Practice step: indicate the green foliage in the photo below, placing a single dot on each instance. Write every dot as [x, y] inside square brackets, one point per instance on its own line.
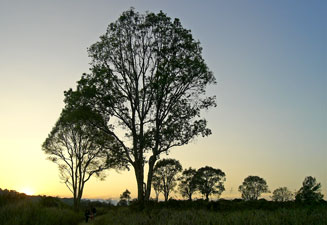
[252, 187]
[148, 82]
[310, 191]
[165, 172]
[28, 212]
[187, 183]
[282, 194]
[210, 181]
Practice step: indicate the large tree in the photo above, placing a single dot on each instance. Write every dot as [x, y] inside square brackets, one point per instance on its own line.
[148, 81]
[165, 172]
[310, 190]
[81, 151]
[210, 181]
[187, 183]
[252, 187]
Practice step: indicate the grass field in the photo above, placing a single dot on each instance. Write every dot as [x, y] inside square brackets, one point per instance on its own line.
[18, 209]
[27, 212]
[300, 216]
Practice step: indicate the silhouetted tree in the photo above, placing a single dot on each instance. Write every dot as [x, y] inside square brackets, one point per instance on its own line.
[187, 183]
[148, 81]
[80, 151]
[156, 186]
[252, 187]
[165, 171]
[310, 191]
[282, 194]
[125, 197]
[210, 181]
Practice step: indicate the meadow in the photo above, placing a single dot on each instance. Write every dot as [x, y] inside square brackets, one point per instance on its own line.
[20, 209]
[204, 217]
[218, 213]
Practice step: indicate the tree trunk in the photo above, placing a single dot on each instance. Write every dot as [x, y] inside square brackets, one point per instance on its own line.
[75, 204]
[207, 197]
[75, 197]
[152, 161]
[139, 174]
[166, 196]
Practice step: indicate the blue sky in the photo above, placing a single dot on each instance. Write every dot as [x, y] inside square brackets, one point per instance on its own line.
[269, 58]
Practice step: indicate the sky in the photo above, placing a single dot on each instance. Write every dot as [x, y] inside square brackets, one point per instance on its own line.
[269, 59]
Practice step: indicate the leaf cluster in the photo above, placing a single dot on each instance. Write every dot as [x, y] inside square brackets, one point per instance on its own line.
[210, 181]
[252, 187]
[310, 191]
[282, 194]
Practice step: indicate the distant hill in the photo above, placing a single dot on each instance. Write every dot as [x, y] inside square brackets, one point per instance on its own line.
[7, 196]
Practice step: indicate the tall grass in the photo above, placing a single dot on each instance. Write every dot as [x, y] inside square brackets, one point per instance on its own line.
[28, 212]
[296, 216]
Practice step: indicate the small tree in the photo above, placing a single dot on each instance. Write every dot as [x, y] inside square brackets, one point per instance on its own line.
[187, 185]
[156, 186]
[80, 151]
[310, 191]
[165, 172]
[253, 187]
[125, 197]
[282, 194]
[210, 181]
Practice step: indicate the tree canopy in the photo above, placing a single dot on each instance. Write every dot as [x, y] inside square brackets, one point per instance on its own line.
[187, 183]
[210, 181]
[80, 151]
[310, 190]
[148, 83]
[252, 187]
[282, 194]
[125, 197]
[165, 173]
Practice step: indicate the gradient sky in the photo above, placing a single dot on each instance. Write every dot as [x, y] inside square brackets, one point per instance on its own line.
[269, 58]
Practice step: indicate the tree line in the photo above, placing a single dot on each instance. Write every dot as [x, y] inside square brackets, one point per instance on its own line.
[208, 181]
[143, 97]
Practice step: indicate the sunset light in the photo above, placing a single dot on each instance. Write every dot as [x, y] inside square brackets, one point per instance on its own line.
[27, 191]
[215, 107]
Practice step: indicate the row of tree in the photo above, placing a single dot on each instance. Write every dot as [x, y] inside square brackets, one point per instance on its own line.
[210, 181]
[206, 180]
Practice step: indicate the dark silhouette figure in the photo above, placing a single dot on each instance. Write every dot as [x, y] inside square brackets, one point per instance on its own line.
[87, 215]
[94, 212]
